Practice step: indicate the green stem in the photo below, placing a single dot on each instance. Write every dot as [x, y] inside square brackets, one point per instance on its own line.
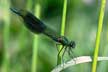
[35, 43]
[5, 66]
[63, 24]
[23, 32]
[64, 18]
[29, 4]
[100, 23]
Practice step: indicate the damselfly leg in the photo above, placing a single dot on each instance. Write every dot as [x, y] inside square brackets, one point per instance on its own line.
[67, 47]
[62, 57]
[58, 56]
[57, 46]
[71, 54]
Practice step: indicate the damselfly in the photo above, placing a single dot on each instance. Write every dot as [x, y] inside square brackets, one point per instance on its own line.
[37, 26]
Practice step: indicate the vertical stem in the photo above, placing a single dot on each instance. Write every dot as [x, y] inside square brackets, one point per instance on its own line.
[64, 18]
[5, 66]
[29, 4]
[63, 24]
[23, 32]
[100, 23]
[35, 43]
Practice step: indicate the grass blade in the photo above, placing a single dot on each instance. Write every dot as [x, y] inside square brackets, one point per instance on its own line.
[63, 24]
[100, 23]
[5, 66]
[35, 43]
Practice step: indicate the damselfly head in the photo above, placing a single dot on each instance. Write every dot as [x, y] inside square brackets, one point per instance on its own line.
[72, 44]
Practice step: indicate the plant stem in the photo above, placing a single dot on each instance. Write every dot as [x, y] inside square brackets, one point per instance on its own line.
[23, 32]
[100, 23]
[64, 18]
[35, 43]
[29, 4]
[5, 66]
[76, 61]
[63, 24]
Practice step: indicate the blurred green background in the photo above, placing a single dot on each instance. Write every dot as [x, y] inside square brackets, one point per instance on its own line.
[16, 42]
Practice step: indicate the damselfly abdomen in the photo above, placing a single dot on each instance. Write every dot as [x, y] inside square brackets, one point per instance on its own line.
[37, 26]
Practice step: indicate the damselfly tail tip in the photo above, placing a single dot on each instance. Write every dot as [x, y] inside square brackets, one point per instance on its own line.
[15, 11]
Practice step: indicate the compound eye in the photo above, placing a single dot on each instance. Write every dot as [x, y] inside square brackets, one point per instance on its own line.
[73, 44]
